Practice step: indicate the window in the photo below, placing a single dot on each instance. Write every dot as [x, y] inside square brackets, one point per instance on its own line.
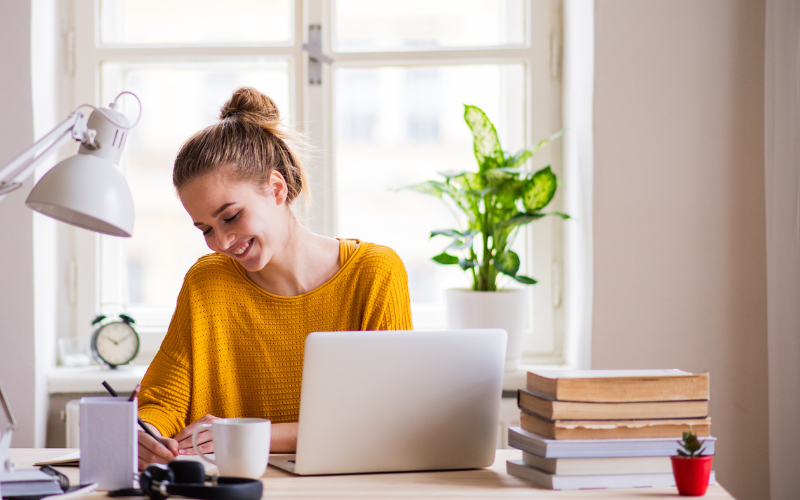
[387, 113]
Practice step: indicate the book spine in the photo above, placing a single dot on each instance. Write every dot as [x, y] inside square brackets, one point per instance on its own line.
[597, 448]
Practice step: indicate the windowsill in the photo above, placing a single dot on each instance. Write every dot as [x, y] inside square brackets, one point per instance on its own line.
[63, 379]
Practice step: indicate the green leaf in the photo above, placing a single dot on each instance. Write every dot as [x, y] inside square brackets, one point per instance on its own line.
[485, 141]
[507, 263]
[541, 189]
[525, 280]
[512, 170]
[489, 163]
[516, 161]
[545, 142]
[521, 157]
[446, 259]
[478, 193]
[520, 219]
[498, 177]
[453, 233]
[681, 453]
[434, 188]
[559, 214]
[470, 180]
[451, 174]
[459, 245]
[467, 264]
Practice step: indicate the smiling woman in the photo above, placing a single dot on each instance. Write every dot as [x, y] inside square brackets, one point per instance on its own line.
[235, 343]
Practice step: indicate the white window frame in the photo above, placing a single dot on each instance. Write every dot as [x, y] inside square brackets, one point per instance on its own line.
[100, 290]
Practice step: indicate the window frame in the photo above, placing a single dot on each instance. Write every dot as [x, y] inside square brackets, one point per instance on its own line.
[100, 282]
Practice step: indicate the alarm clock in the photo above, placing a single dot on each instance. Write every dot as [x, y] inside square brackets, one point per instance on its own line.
[115, 343]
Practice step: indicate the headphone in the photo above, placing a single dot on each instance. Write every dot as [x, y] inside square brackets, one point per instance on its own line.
[188, 479]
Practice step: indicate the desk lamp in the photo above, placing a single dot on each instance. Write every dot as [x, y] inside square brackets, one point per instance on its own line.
[86, 190]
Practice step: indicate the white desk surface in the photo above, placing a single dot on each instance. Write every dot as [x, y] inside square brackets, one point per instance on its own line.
[492, 482]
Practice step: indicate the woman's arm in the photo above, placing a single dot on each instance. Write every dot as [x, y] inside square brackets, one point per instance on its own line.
[283, 438]
[165, 398]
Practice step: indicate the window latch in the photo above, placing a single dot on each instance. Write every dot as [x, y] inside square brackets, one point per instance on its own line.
[315, 55]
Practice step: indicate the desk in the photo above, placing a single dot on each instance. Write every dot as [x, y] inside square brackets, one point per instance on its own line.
[491, 483]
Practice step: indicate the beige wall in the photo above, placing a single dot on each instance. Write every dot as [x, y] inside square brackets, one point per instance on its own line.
[679, 224]
[18, 373]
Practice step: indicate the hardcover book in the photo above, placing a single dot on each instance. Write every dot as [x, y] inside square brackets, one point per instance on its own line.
[613, 429]
[591, 448]
[558, 482]
[610, 386]
[578, 410]
[598, 466]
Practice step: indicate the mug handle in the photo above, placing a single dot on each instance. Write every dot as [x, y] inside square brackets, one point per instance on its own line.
[194, 443]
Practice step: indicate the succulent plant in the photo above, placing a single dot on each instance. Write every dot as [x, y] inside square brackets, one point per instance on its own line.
[692, 447]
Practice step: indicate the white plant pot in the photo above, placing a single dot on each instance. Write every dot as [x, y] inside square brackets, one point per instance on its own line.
[504, 309]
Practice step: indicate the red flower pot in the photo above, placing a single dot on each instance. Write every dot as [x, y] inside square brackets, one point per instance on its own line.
[691, 474]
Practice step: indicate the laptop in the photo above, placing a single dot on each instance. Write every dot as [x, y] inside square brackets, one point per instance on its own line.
[390, 401]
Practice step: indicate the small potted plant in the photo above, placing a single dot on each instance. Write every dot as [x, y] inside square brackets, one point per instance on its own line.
[690, 467]
[491, 205]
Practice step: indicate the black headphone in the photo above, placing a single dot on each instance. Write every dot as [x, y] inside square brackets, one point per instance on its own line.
[188, 479]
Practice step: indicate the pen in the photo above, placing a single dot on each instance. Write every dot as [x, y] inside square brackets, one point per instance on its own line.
[133, 395]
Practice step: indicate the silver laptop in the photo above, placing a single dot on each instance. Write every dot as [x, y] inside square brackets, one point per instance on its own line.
[383, 401]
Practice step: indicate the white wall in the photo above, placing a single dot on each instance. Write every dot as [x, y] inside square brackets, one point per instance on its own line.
[679, 224]
[17, 353]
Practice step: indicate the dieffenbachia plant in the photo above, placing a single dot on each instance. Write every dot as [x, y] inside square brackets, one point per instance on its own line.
[497, 200]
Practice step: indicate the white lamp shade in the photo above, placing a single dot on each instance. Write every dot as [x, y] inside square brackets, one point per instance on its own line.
[88, 192]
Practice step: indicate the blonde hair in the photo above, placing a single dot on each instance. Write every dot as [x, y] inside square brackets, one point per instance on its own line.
[251, 140]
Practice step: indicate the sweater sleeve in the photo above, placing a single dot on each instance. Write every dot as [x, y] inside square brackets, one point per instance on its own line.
[390, 307]
[397, 312]
[164, 400]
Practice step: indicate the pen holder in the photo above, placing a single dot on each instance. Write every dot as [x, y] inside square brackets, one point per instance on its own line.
[108, 442]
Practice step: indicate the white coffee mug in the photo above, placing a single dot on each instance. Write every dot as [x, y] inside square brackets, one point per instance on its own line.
[241, 446]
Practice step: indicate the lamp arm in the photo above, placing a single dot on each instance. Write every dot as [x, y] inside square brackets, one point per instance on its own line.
[7, 410]
[73, 127]
[6, 465]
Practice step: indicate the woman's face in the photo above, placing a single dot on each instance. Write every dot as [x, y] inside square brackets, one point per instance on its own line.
[238, 218]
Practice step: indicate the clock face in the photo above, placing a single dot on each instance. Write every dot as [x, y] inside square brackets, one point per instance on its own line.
[116, 343]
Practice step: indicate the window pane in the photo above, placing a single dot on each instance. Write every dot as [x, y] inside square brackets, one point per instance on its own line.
[144, 22]
[396, 126]
[379, 25]
[178, 100]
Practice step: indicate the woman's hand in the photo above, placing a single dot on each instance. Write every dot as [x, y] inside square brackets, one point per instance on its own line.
[205, 439]
[283, 437]
[153, 451]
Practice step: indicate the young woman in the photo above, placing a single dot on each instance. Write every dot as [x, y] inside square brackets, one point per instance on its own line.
[234, 347]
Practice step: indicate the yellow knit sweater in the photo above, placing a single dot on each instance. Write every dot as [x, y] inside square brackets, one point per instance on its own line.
[235, 350]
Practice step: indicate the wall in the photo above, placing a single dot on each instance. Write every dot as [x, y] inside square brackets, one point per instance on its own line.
[680, 252]
[782, 169]
[17, 355]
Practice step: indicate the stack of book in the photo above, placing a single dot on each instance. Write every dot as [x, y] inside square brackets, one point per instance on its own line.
[607, 428]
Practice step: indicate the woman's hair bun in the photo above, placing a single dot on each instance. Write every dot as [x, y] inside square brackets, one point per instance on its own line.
[250, 140]
[250, 103]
